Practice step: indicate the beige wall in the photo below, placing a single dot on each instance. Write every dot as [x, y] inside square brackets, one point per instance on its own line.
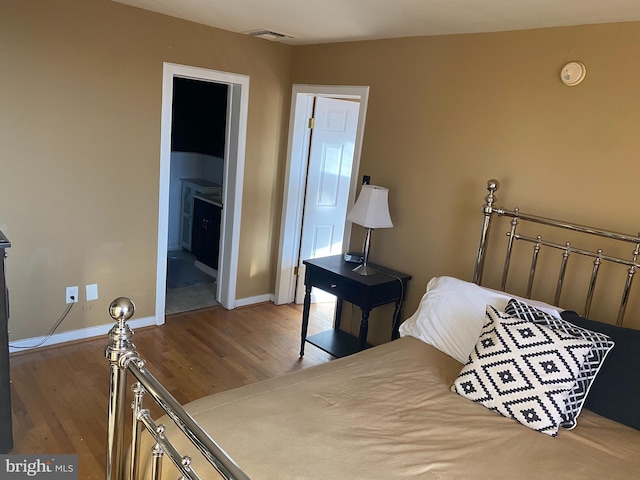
[80, 99]
[447, 113]
[80, 94]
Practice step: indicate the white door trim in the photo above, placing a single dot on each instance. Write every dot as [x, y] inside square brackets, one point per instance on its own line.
[232, 185]
[293, 196]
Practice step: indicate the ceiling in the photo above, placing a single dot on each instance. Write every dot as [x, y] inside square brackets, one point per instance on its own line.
[325, 21]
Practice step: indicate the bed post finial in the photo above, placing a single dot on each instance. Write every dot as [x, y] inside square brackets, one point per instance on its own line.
[119, 351]
[122, 309]
[487, 210]
[492, 186]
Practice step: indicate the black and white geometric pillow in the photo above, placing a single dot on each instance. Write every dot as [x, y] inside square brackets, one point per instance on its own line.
[522, 370]
[600, 347]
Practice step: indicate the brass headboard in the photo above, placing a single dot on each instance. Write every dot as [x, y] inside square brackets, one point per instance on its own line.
[567, 248]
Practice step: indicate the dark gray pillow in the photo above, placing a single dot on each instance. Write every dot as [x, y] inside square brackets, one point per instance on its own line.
[616, 390]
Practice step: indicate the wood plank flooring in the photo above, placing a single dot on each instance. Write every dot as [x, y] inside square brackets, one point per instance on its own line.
[60, 394]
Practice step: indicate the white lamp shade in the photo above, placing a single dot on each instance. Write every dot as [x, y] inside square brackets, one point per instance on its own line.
[371, 210]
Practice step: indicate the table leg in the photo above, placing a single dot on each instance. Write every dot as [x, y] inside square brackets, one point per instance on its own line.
[305, 317]
[338, 316]
[364, 328]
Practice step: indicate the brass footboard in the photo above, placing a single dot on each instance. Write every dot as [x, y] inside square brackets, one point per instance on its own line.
[566, 248]
[123, 462]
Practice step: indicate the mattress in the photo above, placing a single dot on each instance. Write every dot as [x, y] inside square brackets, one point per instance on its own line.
[388, 412]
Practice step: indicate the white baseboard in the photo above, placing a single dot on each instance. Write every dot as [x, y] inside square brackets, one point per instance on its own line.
[243, 302]
[81, 334]
[206, 269]
[103, 330]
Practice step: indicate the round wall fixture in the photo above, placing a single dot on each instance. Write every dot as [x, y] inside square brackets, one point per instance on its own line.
[573, 73]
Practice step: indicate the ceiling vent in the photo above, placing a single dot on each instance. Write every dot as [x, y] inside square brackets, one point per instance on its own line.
[269, 34]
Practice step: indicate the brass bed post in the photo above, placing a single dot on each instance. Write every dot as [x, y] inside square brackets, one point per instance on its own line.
[563, 270]
[592, 283]
[507, 259]
[118, 351]
[136, 431]
[156, 463]
[487, 210]
[627, 285]
[534, 264]
[125, 359]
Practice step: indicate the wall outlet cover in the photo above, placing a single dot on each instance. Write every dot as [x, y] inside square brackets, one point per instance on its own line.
[92, 292]
[71, 292]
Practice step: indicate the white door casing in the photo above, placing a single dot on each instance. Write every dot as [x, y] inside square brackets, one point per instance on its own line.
[329, 171]
[234, 157]
[293, 201]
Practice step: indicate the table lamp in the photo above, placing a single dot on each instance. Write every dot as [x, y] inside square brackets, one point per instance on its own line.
[371, 210]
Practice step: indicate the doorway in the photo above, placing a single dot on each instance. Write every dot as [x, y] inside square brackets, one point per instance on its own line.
[233, 175]
[198, 134]
[328, 182]
[302, 104]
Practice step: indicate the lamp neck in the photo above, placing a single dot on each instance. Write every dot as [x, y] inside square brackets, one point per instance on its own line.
[367, 245]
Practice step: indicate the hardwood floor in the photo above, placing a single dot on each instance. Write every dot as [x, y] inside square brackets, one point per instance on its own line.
[60, 395]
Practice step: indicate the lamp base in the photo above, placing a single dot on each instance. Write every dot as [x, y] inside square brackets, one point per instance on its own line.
[364, 270]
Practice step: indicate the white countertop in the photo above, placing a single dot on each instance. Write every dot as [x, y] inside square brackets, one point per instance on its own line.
[201, 182]
[210, 198]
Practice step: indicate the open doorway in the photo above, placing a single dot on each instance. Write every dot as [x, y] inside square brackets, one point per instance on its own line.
[303, 103]
[230, 194]
[198, 135]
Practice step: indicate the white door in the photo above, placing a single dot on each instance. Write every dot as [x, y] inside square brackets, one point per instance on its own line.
[328, 181]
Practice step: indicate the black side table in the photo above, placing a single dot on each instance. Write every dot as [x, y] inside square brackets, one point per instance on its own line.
[334, 275]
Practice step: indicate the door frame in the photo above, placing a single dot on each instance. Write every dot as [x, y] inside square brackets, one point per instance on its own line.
[234, 160]
[295, 175]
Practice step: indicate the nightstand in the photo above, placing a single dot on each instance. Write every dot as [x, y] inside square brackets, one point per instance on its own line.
[334, 275]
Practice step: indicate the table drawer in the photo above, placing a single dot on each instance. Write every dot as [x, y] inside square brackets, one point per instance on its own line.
[343, 287]
[326, 281]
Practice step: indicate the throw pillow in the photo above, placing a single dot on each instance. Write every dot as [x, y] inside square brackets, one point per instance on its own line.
[522, 370]
[601, 345]
[615, 392]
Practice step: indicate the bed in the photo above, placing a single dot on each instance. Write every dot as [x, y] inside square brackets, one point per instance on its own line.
[481, 384]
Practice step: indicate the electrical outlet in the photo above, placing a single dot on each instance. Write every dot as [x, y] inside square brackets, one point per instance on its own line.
[72, 295]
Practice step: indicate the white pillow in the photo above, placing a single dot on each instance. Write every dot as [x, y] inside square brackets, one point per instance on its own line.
[451, 314]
